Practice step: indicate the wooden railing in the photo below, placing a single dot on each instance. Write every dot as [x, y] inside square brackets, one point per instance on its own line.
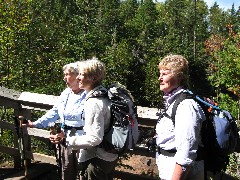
[23, 103]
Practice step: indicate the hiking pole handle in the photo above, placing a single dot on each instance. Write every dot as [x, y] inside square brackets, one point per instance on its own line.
[22, 121]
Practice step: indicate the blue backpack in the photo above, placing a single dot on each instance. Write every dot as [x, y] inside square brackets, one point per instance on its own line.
[219, 133]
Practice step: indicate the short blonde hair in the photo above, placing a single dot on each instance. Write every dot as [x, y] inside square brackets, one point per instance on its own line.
[178, 65]
[93, 68]
[72, 67]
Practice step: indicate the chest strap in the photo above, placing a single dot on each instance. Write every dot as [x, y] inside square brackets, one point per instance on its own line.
[66, 127]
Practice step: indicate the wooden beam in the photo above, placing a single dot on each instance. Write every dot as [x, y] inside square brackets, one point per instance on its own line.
[147, 113]
[41, 157]
[7, 125]
[9, 150]
[38, 132]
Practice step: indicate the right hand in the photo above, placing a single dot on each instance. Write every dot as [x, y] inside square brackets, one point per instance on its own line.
[27, 123]
[57, 138]
[30, 124]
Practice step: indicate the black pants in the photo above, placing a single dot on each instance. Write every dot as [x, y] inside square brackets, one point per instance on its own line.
[97, 169]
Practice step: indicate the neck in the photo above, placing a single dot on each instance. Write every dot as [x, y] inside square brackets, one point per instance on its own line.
[91, 87]
[173, 91]
[76, 91]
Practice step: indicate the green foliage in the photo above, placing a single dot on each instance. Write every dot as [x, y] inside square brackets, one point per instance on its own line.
[152, 92]
[43, 147]
[38, 37]
[224, 69]
[232, 168]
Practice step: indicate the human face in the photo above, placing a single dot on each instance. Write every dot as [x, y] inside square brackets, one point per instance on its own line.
[70, 79]
[168, 82]
[85, 82]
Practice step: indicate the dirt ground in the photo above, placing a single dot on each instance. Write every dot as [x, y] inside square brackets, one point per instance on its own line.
[140, 165]
[134, 164]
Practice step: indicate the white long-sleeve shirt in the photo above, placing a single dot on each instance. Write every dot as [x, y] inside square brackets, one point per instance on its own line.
[185, 135]
[97, 121]
[69, 108]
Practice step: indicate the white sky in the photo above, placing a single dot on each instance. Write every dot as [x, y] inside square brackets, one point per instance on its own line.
[225, 4]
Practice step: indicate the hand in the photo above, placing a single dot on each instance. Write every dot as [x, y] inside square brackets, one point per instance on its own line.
[30, 124]
[57, 138]
[25, 122]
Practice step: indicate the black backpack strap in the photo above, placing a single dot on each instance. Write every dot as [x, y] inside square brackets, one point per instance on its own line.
[179, 98]
[164, 112]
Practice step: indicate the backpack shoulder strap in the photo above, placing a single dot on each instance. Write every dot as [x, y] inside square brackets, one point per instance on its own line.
[179, 98]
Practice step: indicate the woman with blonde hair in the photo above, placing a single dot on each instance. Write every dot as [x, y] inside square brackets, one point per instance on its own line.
[95, 162]
[178, 141]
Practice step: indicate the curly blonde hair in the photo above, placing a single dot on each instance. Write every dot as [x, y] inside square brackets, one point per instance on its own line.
[178, 65]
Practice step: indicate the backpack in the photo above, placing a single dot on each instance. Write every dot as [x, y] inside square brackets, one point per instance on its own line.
[123, 133]
[219, 133]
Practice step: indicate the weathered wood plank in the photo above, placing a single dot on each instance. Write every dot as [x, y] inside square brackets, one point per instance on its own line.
[7, 125]
[41, 157]
[43, 99]
[9, 150]
[9, 103]
[147, 113]
[9, 93]
[38, 132]
[45, 102]
[30, 131]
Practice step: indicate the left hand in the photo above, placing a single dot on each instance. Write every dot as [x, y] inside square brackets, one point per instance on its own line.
[57, 138]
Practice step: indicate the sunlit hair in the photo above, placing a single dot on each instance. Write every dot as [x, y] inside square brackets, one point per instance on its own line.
[178, 65]
[93, 68]
[72, 68]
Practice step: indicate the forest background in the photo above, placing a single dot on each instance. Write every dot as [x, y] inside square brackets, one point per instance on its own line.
[130, 36]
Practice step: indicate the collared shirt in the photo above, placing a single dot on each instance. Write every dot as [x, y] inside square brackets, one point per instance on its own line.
[185, 135]
[69, 109]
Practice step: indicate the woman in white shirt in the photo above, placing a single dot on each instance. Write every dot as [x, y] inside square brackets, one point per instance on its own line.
[95, 162]
[178, 143]
[67, 112]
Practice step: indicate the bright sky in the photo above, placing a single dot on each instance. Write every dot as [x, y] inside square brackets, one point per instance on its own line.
[225, 4]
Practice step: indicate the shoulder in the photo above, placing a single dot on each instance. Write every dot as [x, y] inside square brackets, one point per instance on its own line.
[185, 101]
[97, 96]
[189, 102]
[97, 92]
[191, 106]
[65, 92]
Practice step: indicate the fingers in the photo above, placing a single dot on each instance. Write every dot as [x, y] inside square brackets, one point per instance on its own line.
[26, 122]
[30, 124]
[56, 139]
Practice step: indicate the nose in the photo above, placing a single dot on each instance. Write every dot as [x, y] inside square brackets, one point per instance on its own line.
[77, 77]
[159, 78]
[64, 78]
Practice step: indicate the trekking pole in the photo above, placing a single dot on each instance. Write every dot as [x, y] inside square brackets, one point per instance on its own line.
[57, 147]
[58, 160]
[19, 130]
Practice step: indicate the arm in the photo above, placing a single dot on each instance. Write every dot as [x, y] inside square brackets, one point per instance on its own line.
[50, 116]
[96, 112]
[180, 172]
[53, 114]
[187, 136]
